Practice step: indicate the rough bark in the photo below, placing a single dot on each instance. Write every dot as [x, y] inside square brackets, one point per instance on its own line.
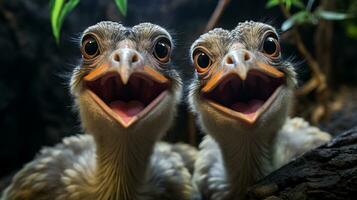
[328, 172]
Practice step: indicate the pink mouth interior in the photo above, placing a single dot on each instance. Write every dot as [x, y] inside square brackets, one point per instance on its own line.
[127, 100]
[244, 96]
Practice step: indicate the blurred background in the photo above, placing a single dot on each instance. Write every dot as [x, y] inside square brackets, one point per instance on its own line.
[35, 105]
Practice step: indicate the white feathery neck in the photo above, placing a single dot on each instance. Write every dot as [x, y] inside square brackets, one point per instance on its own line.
[122, 162]
[247, 159]
[247, 152]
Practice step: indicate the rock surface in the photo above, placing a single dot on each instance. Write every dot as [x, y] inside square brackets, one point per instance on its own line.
[328, 172]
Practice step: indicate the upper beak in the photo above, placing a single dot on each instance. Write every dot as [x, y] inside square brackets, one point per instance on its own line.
[125, 73]
[125, 62]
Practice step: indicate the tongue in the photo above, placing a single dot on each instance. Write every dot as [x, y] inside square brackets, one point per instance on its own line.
[126, 110]
[249, 107]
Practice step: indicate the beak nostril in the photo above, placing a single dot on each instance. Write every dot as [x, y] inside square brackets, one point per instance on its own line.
[116, 57]
[229, 60]
[135, 58]
[246, 57]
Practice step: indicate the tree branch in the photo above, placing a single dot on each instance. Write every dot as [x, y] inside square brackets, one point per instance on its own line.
[222, 4]
[327, 172]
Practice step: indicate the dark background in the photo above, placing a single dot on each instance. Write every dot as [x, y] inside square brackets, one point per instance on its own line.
[35, 105]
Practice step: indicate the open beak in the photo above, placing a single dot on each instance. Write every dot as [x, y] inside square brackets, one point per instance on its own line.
[124, 95]
[244, 92]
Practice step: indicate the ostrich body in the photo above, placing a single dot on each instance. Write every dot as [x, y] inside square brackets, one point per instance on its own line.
[241, 93]
[126, 91]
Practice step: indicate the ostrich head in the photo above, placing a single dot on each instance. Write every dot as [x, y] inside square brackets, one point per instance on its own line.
[125, 83]
[242, 84]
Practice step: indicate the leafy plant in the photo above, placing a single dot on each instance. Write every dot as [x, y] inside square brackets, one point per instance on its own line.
[286, 3]
[305, 15]
[61, 8]
[319, 62]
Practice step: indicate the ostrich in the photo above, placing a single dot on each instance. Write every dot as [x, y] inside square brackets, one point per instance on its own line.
[126, 91]
[241, 93]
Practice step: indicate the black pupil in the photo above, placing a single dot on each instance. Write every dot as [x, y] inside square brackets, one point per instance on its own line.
[161, 50]
[269, 45]
[203, 60]
[91, 47]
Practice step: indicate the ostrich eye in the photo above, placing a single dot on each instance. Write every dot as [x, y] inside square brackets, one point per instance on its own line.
[162, 50]
[90, 47]
[271, 46]
[202, 60]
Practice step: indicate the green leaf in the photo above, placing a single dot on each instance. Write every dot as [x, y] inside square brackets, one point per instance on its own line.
[300, 17]
[288, 4]
[330, 15]
[122, 6]
[55, 6]
[288, 24]
[67, 8]
[309, 5]
[59, 10]
[299, 4]
[272, 3]
[285, 3]
[351, 31]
